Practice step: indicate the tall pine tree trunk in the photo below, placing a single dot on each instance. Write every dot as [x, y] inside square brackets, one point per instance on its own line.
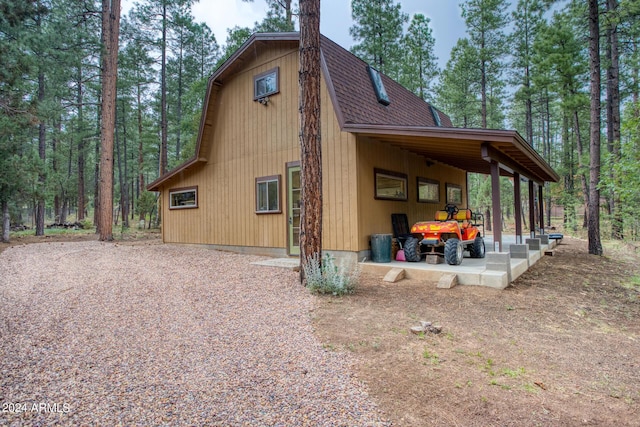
[81, 190]
[163, 94]
[310, 139]
[140, 147]
[110, 31]
[613, 116]
[42, 152]
[581, 168]
[593, 230]
[6, 221]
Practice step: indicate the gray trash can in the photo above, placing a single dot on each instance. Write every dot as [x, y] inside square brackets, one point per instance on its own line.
[381, 247]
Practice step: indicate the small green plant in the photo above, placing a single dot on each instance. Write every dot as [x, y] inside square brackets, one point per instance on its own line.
[327, 278]
[432, 357]
[633, 283]
[513, 373]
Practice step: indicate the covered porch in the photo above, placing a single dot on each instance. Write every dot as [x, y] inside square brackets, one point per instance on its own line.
[485, 151]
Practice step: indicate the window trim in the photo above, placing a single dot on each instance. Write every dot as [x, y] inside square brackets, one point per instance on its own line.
[267, 179]
[183, 190]
[421, 180]
[450, 186]
[393, 175]
[275, 71]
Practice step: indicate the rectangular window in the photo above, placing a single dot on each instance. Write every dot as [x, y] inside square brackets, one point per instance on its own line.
[454, 194]
[183, 198]
[266, 84]
[390, 185]
[268, 194]
[428, 190]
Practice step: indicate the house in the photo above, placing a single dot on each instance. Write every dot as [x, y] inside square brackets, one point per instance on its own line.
[384, 150]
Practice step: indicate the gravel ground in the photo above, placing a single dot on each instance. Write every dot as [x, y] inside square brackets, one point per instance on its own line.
[109, 334]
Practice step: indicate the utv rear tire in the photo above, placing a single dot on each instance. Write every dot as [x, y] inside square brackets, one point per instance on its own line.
[453, 252]
[412, 250]
[477, 249]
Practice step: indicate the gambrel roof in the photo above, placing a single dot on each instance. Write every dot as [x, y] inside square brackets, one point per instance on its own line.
[407, 122]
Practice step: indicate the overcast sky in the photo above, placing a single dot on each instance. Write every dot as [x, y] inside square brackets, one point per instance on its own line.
[335, 19]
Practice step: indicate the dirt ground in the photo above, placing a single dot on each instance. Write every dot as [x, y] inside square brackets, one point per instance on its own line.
[131, 236]
[560, 347]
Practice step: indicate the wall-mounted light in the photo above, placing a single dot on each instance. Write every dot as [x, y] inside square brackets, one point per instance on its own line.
[264, 100]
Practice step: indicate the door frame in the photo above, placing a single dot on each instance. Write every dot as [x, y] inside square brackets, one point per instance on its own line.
[291, 250]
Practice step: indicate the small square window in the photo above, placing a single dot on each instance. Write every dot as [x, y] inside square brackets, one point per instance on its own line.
[268, 194]
[183, 198]
[266, 84]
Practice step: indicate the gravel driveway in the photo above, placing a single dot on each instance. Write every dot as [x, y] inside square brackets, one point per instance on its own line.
[115, 334]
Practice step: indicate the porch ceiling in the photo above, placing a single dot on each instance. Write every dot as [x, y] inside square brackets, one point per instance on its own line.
[468, 149]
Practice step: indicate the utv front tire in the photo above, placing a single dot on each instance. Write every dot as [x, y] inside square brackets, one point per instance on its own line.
[412, 250]
[477, 249]
[453, 252]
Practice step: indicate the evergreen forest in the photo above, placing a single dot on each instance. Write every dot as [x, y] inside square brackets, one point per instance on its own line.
[564, 74]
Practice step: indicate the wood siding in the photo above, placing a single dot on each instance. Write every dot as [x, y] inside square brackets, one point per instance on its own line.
[244, 140]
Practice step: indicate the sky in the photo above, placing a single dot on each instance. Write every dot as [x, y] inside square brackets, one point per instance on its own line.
[335, 19]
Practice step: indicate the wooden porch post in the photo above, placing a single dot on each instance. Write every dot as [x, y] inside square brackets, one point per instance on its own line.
[518, 207]
[541, 207]
[532, 209]
[495, 202]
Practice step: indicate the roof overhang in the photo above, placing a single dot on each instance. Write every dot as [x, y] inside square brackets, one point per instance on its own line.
[472, 150]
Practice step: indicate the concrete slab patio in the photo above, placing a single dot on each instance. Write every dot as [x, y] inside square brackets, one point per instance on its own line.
[496, 270]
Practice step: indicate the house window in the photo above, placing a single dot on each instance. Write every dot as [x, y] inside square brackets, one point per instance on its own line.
[454, 194]
[428, 190]
[378, 86]
[266, 84]
[268, 194]
[183, 198]
[390, 185]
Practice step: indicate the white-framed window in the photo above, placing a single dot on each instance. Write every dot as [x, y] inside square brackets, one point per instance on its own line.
[265, 84]
[268, 194]
[183, 198]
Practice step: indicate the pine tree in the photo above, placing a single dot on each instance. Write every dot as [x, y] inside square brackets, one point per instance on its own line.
[593, 218]
[458, 89]
[486, 21]
[310, 138]
[110, 33]
[378, 31]
[419, 66]
[527, 18]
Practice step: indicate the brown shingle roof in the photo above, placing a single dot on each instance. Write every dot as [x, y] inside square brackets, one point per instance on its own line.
[407, 116]
[355, 97]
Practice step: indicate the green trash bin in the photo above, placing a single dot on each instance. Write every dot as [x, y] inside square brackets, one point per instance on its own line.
[381, 247]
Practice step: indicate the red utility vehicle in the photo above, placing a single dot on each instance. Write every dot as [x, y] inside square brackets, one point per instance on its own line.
[453, 231]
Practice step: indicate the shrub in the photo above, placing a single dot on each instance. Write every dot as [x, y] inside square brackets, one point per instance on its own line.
[327, 278]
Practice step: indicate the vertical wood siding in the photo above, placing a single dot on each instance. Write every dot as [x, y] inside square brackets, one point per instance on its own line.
[243, 140]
